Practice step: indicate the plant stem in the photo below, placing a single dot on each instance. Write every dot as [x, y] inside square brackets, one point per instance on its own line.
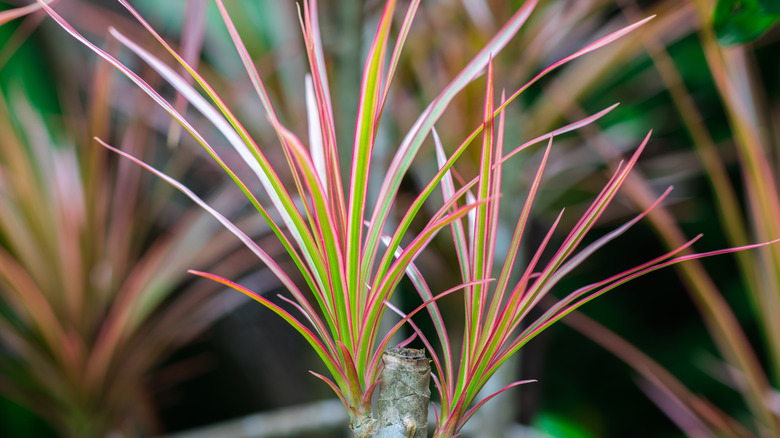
[404, 394]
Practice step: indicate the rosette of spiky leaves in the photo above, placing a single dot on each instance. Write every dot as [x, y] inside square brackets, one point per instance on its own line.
[321, 220]
[495, 310]
[743, 215]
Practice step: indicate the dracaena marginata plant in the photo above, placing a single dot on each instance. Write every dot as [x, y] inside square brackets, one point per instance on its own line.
[349, 256]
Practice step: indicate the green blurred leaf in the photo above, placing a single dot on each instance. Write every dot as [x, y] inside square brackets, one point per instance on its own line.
[559, 426]
[772, 6]
[743, 21]
[15, 420]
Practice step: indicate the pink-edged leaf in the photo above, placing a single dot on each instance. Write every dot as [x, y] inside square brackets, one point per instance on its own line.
[425, 293]
[386, 282]
[577, 259]
[313, 41]
[246, 59]
[480, 230]
[127, 72]
[322, 222]
[474, 409]
[722, 251]
[407, 341]
[514, 244]
[321, 216]
[418, 202]
[562, 130]
[445, 164]
[575, 300]
[399, 45]
[238, 143]
[590, 292]
[437, 384]
[327, 357]
[414, 139]
[546, 280]
[448, 191]
[303, 312]
[259, 252]
[574, 296]
[509, 315]
[363, 146]
[335, 389]
[263, 171]
[502, 310]
[271, 182]
[265, 100]
[285, 207]
[248, 242]
[585, 290]
[495, 188]
[350, 371]
[368, 395]
[472, 221]
[406, 317]
[601, 42]
[449, 205]
[316, 145]
[386, 194]
[392, 274]
[199, 102]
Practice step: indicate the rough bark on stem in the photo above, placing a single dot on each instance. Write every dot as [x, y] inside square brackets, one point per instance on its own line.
[404, 394]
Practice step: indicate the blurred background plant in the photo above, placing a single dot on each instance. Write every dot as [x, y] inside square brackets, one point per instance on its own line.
[730, 92]
[93, 254]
